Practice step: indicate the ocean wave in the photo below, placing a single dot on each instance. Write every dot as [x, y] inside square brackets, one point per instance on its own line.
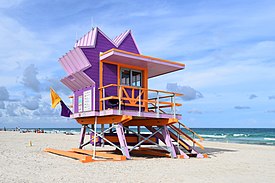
[213, 136]
[240, 135]
[269, 138]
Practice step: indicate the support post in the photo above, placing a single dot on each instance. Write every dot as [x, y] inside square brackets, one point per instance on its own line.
[122, 140]
[138, 131]
[139, 103]
[95, 137]
[168, 142]
[119, 100]
[82, 135]
[103, 102]
[102, 131]
[158, 135]
[157, 104]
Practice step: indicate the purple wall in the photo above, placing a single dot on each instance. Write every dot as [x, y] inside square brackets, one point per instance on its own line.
[110, 77]
[80, 92]
[129, 45]
[109, 70]
[102, 45]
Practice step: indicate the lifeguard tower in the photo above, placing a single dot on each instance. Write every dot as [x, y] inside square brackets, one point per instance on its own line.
[109, 81]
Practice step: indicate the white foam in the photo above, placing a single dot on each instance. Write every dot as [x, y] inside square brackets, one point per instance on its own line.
[269, 138]
[214, 136]
[239, 135]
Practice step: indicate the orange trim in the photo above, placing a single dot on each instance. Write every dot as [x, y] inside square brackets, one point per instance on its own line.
[100, 154]
[104, 119]
[145, 79]
[100, 84]
[142, 56]
[124, 65]
[151, 122]
[80, 157]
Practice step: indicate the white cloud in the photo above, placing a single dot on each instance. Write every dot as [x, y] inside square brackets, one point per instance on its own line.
[9, 4]
[2, 105]
[29, 79]
[12, 109]
[242, 107]
[4, 94]
[31, 103]
[252, 96]
[188, 92]
[46, 110]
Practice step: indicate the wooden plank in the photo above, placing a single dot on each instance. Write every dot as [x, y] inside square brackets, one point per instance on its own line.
[151, 153]
[101, 154]
[80, 157]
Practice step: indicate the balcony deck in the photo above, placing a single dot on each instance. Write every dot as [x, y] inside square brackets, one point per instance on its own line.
[111, 112]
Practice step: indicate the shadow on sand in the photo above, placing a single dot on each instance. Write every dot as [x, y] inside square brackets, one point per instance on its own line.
[214, 151]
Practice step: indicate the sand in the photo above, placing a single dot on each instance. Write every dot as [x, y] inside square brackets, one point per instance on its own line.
[226, 163]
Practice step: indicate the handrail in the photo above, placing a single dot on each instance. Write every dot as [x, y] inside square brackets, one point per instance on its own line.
[140, 100]
[201, 139]
[189, 138]
[132, 87]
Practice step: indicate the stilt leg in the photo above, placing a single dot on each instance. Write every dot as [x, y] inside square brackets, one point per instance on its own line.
[122, 141]
[82, 135]
[159, 136]
[168, 142]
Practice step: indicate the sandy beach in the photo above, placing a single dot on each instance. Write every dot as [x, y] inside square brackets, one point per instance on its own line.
[226, 163]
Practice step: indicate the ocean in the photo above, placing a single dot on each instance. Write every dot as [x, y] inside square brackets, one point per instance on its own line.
[260, 136]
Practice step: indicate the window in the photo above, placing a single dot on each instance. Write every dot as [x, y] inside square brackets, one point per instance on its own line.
[136, 78]
[125, 77]
[131, 77]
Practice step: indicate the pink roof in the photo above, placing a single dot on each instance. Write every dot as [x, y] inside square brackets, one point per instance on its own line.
[155, 66]
[74, 61]
[89, 39]
[77, 80]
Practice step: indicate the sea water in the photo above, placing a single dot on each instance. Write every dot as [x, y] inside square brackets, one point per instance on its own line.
[261, 136]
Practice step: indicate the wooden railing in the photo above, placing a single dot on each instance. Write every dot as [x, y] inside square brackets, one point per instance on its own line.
[138, 97]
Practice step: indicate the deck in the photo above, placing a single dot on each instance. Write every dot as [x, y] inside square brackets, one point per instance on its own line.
[111, 112]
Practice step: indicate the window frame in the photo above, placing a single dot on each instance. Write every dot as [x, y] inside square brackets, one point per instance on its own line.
[131, 76]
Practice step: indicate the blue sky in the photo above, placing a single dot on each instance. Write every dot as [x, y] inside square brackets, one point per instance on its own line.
[228, 48]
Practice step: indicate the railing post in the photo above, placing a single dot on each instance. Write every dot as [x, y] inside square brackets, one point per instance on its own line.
[119, 100]
[174, 106]
[157, 104]
[95, 137]
[103, 93]
[139, 103]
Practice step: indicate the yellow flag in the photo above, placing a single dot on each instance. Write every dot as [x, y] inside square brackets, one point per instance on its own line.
[55, 98]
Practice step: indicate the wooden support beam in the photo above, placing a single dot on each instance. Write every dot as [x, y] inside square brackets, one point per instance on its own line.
[82, 135]
[100, 154]
[168, 142]
[179, 152]
[80, 157]
[104, 119]
[122, 140]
